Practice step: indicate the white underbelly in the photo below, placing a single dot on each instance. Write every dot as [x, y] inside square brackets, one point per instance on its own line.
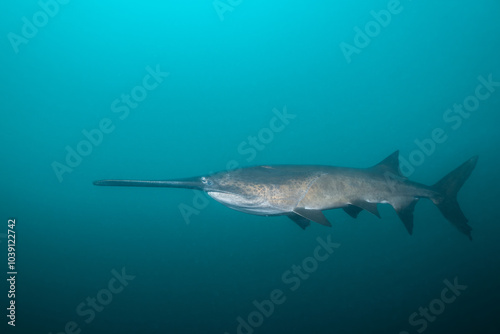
[254, 205]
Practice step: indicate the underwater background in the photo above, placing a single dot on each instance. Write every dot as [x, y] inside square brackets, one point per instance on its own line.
[169, 89]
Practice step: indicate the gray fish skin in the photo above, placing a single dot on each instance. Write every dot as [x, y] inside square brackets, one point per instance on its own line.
[302, 192]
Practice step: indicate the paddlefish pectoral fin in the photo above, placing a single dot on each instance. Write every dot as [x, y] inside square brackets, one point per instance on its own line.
[316, 216]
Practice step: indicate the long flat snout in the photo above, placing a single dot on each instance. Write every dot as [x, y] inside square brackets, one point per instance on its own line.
[187, 183]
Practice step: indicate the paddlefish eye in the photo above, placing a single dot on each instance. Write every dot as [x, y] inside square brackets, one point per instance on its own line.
[206, 181]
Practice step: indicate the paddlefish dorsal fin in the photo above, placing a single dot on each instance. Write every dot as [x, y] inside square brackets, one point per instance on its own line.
[390, 165]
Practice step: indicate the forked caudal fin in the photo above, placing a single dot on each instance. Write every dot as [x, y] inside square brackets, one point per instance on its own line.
[448, 188]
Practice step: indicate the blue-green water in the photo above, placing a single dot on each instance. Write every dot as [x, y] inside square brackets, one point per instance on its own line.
[166, 89]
